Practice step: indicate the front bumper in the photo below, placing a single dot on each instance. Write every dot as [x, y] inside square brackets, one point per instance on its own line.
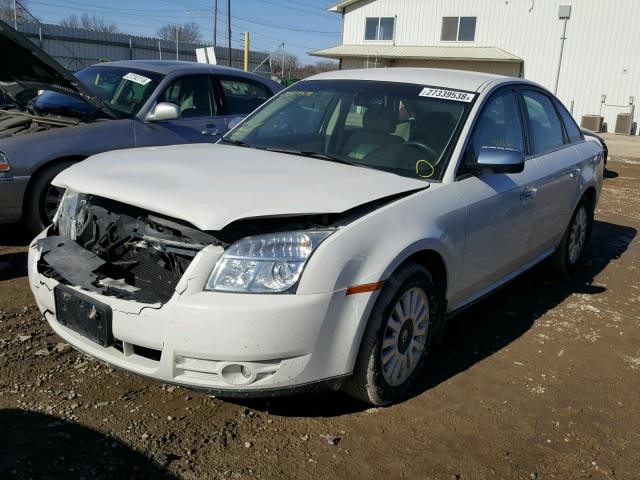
[223, 343]
[12, 191]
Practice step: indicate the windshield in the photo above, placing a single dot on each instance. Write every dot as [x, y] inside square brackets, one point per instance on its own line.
[124, 90]
[397, 127]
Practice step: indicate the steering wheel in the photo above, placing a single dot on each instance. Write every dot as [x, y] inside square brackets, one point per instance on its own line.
[424, 147]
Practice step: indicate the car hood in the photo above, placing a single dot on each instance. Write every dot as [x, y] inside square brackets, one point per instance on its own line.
[26, 67]
[211, 186]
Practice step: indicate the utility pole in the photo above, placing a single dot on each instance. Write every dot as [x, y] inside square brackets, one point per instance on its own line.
[177, 44]
[246, 51]
[282, 62]
[215, 23]
[15, 15]
[229, 30]
[564, 13]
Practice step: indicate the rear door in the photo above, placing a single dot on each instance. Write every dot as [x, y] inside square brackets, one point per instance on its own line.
[558, 162]
[239, 96]
[199, 121]
[501, 207]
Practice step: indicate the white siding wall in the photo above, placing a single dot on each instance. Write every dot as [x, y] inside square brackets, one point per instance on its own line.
[602, 50]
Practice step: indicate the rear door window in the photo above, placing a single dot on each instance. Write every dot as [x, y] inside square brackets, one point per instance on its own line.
[241, 96]
[573, 131]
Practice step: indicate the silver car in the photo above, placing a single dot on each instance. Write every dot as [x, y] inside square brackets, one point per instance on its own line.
[338, 228]
[104, 107]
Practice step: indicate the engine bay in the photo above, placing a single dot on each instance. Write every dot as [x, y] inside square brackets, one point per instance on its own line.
[121, 251]
[17, 122]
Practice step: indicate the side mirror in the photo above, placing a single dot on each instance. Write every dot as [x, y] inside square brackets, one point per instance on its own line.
[498, 160]
[163, 111]
[233, 123]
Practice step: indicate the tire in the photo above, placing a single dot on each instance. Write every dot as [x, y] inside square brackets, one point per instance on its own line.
[570, 252]
[391, 338]
[42, 198]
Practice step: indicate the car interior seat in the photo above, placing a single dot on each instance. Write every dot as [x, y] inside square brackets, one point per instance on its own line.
[378, 125]
[195, 101]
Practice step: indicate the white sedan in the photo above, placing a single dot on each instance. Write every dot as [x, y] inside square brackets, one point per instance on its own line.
[325, 241]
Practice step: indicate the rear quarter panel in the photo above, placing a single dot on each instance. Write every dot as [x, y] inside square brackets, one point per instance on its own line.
[592, 165]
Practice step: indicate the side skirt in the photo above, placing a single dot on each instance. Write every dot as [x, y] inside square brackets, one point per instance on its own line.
[499, 284]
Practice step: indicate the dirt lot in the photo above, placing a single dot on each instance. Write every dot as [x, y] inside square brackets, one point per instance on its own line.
[541, 380]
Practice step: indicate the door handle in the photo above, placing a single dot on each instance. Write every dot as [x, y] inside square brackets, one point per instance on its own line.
[574, 172]
[528, 193]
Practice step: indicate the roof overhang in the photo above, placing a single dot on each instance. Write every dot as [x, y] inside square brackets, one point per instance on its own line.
[340, 6]
[436, 52]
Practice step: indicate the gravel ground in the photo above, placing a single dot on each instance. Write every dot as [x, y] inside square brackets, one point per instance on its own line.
[538, 381]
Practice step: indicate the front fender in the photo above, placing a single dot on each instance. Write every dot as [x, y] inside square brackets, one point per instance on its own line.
[371, 248]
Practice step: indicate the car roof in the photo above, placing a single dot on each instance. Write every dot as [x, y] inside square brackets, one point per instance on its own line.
[165, 67]
[458, 79]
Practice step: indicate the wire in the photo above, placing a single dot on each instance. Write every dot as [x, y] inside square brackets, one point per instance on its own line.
[289, 7]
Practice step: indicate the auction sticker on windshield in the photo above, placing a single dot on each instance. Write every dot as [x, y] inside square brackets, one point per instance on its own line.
[134, 77]
[456, 95]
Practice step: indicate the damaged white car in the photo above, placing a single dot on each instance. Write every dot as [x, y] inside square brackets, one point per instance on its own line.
[325, 241]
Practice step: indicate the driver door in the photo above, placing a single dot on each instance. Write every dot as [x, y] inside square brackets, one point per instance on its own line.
[199, 120]
[500, 207]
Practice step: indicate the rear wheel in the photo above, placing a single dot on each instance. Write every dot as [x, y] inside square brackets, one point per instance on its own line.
[571, 250]
[401, 328]
[43, 199]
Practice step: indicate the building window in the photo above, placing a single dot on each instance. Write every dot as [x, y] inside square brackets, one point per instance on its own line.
[458, 29]
[379, 28]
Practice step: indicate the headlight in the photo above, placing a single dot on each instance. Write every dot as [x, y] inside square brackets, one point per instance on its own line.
[69, 217]
[265, 263]
[5, 166]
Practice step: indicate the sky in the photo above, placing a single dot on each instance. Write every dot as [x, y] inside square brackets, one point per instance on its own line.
[303, 25]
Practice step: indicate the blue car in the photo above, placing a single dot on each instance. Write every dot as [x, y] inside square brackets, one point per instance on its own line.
[57, 119]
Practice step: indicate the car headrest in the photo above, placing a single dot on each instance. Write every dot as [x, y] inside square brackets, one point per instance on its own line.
[380, 119]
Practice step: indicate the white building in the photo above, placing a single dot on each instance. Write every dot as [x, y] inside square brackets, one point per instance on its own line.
[600, 68]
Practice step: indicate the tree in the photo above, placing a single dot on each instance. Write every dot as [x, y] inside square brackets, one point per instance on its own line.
[291, 63]
[313, 68]
[6, 12]
[187, 32]
[89, 22]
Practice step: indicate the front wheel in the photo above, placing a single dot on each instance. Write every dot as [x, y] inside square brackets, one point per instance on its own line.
[400, 330]
[43, 199]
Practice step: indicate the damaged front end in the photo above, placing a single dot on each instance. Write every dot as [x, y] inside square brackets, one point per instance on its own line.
[129, 253]
[117, 250]
[17, 122]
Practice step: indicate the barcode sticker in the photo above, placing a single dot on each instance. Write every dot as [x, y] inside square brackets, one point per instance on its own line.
[456, 95]
[134, 77]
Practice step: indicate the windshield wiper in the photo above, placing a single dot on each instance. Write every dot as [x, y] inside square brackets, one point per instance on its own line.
[238, 143]
[319, 155]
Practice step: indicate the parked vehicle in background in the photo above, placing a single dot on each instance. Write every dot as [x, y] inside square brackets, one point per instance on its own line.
[104, 107]
[599, 139]
[341, 224]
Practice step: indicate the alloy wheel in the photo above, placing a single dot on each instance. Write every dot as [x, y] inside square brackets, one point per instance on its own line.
[578, 235]
[405, 336]
[51, 201]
